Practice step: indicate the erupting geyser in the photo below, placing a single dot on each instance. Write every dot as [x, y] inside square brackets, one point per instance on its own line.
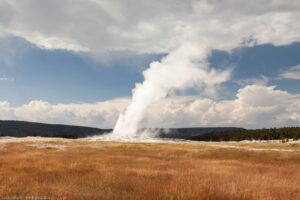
[185, 67]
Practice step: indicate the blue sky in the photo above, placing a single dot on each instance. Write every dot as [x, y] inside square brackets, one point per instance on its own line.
[59, 76]
[197, 63]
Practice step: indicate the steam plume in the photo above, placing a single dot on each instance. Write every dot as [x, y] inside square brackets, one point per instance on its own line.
[183, 68]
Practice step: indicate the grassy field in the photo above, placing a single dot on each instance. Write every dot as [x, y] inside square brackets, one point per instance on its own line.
[72, 169]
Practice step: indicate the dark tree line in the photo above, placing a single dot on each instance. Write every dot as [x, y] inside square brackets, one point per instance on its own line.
[23, 129]
[256, 134]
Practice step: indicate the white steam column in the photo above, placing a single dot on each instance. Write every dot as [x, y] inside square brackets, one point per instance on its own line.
[183, 68]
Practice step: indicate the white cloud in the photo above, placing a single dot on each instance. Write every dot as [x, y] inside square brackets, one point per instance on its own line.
[6, 111]
[7, 78]
[102, 114]
[254, 106]
[51, 42]
[149, 26]
[4, 79]
[262, 80]
[292, 73]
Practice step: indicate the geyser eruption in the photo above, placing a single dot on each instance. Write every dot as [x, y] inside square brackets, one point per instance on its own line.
[183, 68]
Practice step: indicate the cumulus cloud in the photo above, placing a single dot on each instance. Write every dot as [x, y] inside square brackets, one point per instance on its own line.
[255, 106]
[292, 73]
[100, 114]
[150, 26]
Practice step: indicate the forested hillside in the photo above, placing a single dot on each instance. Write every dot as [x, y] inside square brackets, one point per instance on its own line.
[23, 129]
[257, 134]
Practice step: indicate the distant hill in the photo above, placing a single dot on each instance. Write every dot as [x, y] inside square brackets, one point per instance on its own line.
[23, 129]
[186, 133]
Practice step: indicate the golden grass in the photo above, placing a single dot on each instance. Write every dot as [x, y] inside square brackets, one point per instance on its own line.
[293, 145]
[110, 170]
